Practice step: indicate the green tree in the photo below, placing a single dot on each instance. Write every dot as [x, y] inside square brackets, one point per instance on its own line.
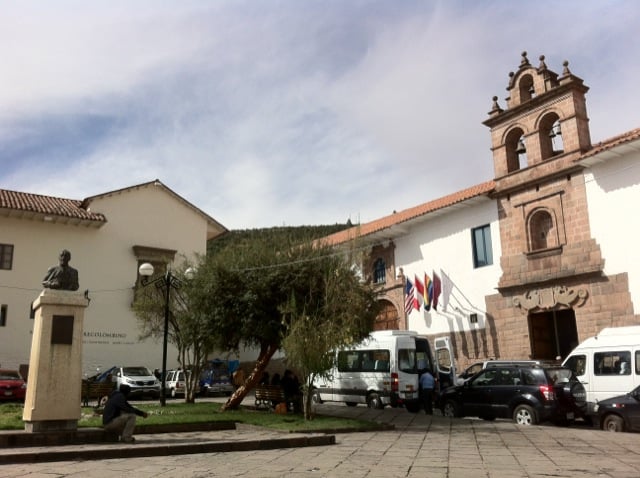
[253, 288]
[187, 325]
[337, 311]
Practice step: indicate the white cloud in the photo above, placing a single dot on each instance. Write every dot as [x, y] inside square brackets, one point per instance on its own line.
[291, 113]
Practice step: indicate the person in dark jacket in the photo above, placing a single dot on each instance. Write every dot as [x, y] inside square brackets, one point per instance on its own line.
[119, 415]
[291, 387]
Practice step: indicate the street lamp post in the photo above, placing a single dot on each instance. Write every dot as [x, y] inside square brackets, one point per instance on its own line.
[166, 281]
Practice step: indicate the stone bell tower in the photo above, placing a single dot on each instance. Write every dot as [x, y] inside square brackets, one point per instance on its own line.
[548, 255]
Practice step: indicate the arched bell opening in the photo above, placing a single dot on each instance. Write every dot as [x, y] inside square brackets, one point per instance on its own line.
[550, 136]
[516, 150]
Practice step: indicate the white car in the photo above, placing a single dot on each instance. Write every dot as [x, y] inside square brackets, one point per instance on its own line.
[175, 383]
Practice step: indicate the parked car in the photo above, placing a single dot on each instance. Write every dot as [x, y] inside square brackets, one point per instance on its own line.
[621, 413]
[528, 394]
[142, 381]
[175, 384]
[216, 377]
[12, 385]
[477, 366]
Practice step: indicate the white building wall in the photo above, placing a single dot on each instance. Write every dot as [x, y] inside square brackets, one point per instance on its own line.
[444, 245]
[613, 188]
[107, 266]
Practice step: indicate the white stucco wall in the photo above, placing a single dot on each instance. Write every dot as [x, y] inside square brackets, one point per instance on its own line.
[147, 216]
[444, 245]
[613, 188]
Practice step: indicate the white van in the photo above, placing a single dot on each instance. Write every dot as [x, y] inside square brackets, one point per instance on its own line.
[607, 364]
[384, 369]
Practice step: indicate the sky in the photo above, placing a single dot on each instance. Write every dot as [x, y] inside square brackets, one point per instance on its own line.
[288, 112]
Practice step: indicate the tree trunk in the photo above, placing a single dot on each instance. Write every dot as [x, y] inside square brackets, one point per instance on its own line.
[309, 412]
[254, 377]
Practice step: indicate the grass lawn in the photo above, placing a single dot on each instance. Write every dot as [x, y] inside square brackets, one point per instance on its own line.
[178, 413]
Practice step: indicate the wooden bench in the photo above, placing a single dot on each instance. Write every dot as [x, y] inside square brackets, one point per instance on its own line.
[98, 391]
[268, 396]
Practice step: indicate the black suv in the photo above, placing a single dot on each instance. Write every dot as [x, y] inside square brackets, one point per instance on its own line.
[527, 393]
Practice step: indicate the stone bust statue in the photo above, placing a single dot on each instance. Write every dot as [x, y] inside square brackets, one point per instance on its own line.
[62, 276]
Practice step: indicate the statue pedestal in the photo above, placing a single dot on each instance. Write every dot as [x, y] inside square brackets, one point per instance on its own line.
[54, 385]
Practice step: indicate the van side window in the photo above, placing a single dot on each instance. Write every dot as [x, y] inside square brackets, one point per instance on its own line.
[348, 361]
[612, 363]
[577, 363]
[444, 360]
[423, 356]
[407, 360]
[368, 363]
[637, 368]
[376, 360]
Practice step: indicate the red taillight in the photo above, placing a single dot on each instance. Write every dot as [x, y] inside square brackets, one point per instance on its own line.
[547, 392]
[394, 382]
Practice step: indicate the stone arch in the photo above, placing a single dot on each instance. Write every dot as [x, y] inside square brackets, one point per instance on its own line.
[388, 318]
[515, 146]
[542, 230]
[549, 133]
[525, 88]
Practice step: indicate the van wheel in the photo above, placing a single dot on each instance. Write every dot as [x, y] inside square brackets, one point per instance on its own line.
[351, 404]
[102, 401]
[525, 415]
[613, 423]
[450, 409]
[374, 401]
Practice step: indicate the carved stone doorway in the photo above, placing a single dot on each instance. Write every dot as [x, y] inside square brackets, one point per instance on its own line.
[388, 318]
[553, 333]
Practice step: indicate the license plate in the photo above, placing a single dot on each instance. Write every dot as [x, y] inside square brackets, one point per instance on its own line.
[570, 416]
[8, 393]
[409, 394]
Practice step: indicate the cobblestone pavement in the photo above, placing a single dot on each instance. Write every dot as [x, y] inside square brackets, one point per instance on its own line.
[419, 446]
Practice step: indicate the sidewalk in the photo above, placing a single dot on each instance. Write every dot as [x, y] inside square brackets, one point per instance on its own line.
[418, 445]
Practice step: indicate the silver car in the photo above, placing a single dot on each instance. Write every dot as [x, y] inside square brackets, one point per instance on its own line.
[140, 379]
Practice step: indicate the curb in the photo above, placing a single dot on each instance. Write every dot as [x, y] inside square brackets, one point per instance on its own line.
[135, 451]
[85, 436]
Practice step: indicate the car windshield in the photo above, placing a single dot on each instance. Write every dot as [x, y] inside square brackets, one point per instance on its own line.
[136, 371]
[9, 375]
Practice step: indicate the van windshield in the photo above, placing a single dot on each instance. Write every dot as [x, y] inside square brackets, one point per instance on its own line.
[577, 363]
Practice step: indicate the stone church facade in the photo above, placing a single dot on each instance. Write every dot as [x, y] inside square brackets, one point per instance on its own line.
[556, 207]
[553, 288]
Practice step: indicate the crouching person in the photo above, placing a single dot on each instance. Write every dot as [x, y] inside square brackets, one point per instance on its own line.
[119, 415]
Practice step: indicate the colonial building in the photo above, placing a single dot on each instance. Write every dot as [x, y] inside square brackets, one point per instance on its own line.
[109, 236]
[534, 261]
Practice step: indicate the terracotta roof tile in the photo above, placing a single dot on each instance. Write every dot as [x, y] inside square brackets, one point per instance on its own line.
[408, 214]
[610, 143]
[47, 205]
